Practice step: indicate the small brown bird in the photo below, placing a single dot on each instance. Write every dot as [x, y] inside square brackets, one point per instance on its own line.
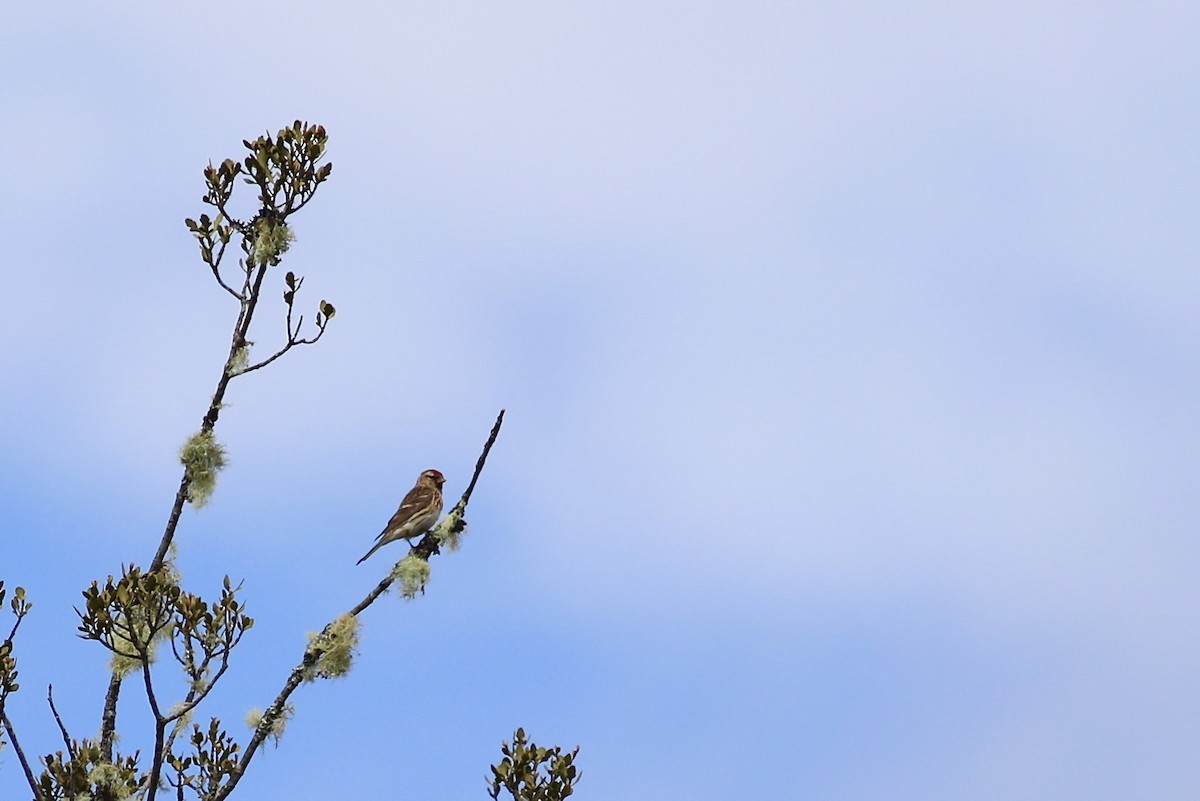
[417, 513]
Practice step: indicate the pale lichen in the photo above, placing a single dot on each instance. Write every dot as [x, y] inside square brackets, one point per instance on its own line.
[202, 458]
[272, 238]
[412, 572]
[254, 719]
[330, 653]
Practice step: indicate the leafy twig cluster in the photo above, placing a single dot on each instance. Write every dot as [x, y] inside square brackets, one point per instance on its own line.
[530, 772]
[19, 607]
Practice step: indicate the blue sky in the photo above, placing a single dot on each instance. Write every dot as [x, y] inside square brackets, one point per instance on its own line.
[848, 352]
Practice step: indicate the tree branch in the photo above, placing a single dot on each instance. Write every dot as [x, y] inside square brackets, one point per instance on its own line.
[13, 631]
[66, 737]
[293, 333]
[215, 265]
[159, 731]
[240, 330]
[12, 737]
[108, 717]
[426, 548]
[108, 721]
[466, 496]
[291, 343]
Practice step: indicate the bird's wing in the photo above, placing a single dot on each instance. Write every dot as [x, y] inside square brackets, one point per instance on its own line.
[416, 500]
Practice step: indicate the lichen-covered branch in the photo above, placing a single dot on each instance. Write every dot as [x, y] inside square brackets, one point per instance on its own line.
[329, 653]
[286, 169]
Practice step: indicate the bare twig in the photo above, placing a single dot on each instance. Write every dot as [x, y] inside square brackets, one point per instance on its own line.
[290, 344]
[466, 496]
[12, 738]
[215, 265]
[66, 737]
[192, 700]
[160, 726]
[293, 332]
[216, 274]
[16, 625]
[380, 589]
[194, 697]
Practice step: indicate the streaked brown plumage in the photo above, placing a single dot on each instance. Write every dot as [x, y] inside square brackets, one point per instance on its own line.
[417, 513]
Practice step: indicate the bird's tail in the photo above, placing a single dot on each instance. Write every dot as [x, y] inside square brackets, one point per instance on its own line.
[374, 548]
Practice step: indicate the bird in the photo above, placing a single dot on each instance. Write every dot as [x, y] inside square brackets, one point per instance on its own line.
[417, 513]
